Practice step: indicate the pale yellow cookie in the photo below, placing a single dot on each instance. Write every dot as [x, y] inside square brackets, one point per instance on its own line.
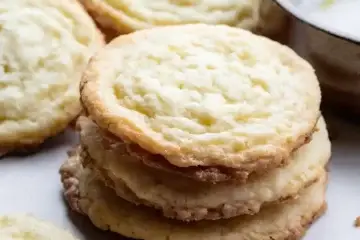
[185, 199]
[107, 211]
[231, 99]
[126, 16]
[26, 227]
[45, 45]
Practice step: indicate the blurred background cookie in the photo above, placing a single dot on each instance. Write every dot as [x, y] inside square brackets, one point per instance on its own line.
[45, 45]
[26, 227]
[125, 16]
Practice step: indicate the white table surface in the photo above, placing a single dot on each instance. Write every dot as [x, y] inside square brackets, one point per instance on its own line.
[31, 184]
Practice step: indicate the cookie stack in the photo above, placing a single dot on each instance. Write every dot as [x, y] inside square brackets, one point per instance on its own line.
[199, 132]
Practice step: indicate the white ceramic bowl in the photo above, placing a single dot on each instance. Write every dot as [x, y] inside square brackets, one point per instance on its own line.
[332, 49]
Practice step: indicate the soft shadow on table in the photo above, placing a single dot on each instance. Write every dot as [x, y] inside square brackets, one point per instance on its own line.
[344, 131]
[87, 230]
[66, 137]
[342, 125]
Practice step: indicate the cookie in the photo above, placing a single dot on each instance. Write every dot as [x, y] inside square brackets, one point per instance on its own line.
[262, 16]
[230, 100]
[21, 226]
[45, 44]
[107, 211]
[185, 199]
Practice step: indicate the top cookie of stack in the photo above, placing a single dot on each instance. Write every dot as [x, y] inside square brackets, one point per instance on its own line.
[212, 107]
[124, 16]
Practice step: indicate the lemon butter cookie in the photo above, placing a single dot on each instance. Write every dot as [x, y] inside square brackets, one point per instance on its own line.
[125, 16]
[188, 200]
[45, 44]
[27, 227]
[220, 106]
[88, 195]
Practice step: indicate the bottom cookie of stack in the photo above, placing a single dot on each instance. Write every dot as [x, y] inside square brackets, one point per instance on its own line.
[88, 195]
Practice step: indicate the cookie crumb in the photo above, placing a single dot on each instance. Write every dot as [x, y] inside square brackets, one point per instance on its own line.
[357, 222]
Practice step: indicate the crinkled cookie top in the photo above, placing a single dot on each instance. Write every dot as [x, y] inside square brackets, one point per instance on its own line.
[203, 95]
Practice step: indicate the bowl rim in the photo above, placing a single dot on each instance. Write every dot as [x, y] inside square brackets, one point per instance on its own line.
[288, 7]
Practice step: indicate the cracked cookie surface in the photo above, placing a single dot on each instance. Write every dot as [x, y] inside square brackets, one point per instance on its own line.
[231, 99]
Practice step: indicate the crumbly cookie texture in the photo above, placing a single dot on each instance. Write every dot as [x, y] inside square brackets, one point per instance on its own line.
[27, 227]
[45, 44]
[186, 199]
[70, 172]
[107, 211]
[124, 16]
[214, 174]
[230, 99]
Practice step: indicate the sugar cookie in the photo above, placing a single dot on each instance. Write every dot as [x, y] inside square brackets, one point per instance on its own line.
[26, 227]
[45, 45]
[231, 99]
[125, 16]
